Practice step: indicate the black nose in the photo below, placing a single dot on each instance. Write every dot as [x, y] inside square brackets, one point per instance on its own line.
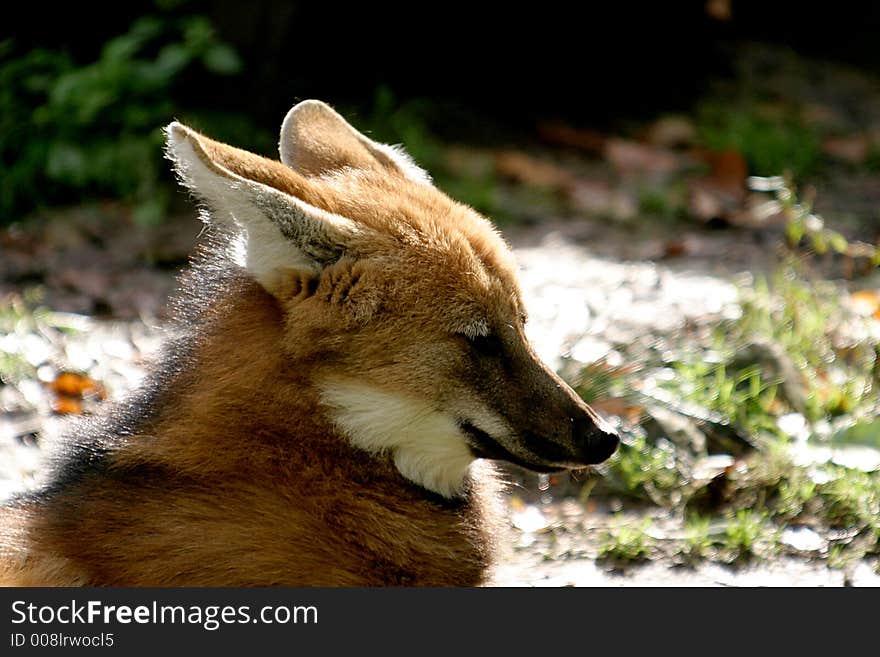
[595, 443]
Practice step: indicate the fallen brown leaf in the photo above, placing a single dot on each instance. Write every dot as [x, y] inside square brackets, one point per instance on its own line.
[852, 149]
[556, 132]
[720, 10]
[728, 169]
[621, 408]
[720, 194]
[631, 158]
[866, 303]
[64, 405]
[674, 248]
[533, 171]
[71, 384]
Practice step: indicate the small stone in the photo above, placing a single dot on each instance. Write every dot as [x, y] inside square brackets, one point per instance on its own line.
[530, 519]
[803, 539]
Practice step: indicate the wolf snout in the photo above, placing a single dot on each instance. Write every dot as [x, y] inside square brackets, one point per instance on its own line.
[595, 441]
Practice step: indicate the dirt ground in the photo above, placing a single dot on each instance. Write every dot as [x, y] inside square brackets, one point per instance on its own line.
[582, 304]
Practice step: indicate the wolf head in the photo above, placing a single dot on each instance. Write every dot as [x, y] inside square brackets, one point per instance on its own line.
[400, 304]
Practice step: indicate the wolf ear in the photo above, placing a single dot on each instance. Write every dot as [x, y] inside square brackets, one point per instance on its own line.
[255, 198]
[316, 140]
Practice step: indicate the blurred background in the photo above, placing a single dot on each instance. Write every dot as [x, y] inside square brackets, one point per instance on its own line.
[692, 190]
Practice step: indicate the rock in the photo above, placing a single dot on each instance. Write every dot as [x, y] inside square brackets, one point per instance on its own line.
[677, 428]
[777, 364]
[596, 197]
[671, 131]
[725, 438]
[863, 575]
[852, 149]
[803, 539]
[632, 159]
[707, 468]
[529, 519]
[856, 457]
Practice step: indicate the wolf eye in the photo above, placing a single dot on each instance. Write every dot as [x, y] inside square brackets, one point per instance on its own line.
[486, 345]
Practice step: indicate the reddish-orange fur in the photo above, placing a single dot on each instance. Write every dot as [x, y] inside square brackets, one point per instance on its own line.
[237, 480]
[230, 469]
[226, 499]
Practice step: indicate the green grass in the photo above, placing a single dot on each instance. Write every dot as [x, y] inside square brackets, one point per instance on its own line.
[644, 471]
[698, 542]
[806, 320]
[20, 317]
[818, 337]
[625, 543]
[744, 396]
[746, 530]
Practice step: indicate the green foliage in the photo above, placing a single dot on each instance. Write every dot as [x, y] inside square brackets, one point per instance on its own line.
[802, 224]
[803, 319]
[21, 319]
[698, 542]
[794, 493]
[626, 543]
[771, 142]
[404, 123]
[796, 349]
[745, 529]
[643, 470]
[68, 131]
[744, 396]
[852, 499]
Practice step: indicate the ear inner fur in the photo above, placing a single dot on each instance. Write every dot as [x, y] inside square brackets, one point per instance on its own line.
[279, 229]
[224, 159]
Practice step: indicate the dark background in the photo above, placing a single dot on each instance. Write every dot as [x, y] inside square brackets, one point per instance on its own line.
[586, 62]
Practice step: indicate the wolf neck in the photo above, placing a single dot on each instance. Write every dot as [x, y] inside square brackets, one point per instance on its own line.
[239, 390]
[425, 444]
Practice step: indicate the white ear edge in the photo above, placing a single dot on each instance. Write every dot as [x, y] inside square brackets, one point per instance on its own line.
[404, 161]
[309, 108]
[268, 222]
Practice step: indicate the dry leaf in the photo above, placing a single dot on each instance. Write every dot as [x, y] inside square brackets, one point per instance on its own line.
[618, 407]
[556, 132]
[71, 384]
[853, 149]
[721, 194]
[64, 405]
[533, 171]
[632, 158]
[866, 303]
[728, 170]
[674, 248]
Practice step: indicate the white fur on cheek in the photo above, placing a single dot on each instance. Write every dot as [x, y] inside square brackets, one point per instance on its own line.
[426, 445]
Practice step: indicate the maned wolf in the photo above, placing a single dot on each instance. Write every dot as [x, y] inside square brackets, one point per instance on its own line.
[352, 354]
